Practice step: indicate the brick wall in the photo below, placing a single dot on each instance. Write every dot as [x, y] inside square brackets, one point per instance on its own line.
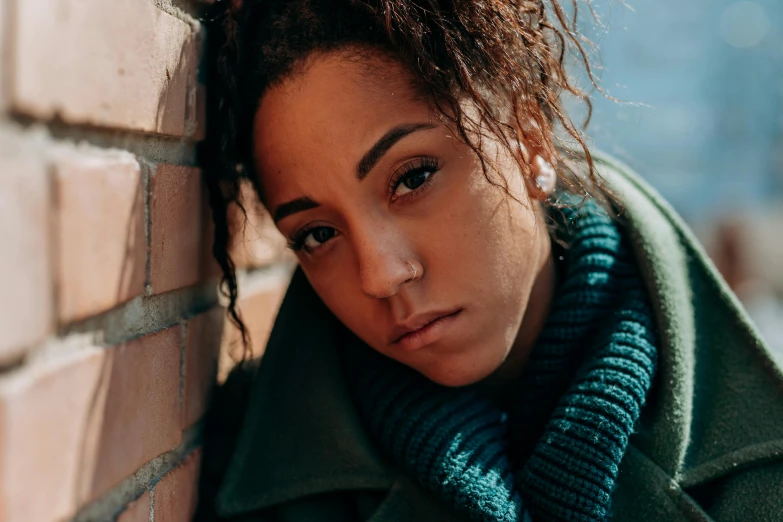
[113, 332]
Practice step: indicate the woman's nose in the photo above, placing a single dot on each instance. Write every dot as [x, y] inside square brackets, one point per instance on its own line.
[383, 263]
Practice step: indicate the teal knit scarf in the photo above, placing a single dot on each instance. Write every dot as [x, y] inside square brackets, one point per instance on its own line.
[555, 454]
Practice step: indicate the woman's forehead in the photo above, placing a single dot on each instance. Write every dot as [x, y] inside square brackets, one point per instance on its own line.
[342, 90]
[328, 114]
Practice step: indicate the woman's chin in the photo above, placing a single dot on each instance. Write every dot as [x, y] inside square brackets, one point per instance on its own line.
[458, 375]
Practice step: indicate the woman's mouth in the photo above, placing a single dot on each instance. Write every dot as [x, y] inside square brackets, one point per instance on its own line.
[423, 329]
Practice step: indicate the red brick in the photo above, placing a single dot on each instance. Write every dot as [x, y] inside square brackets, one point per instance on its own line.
[202, 346]
[74, 427]
[142, 411]
[26, 306]
[177, 492]
[100, 226]
[258, 310]
[50, 418]
[123, 64]
[176, 230]
[138, 510]
[256, 241]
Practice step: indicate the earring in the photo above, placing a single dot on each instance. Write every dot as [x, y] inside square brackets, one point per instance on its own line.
[546, 177]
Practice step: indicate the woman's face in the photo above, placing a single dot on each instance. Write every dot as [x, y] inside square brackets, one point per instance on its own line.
[364, 181]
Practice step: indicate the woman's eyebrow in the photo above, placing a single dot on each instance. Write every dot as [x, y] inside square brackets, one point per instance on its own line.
[292, 207]
[387, 141]
[368, 161]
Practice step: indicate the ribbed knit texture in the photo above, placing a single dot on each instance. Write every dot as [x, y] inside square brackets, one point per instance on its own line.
[575, 406]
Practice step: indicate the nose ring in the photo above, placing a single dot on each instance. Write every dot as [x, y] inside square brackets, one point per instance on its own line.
[414, 271]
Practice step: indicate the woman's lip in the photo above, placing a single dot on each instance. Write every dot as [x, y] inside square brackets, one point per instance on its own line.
[427, 334]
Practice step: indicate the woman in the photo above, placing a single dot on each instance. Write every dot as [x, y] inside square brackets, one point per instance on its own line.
[484, 325]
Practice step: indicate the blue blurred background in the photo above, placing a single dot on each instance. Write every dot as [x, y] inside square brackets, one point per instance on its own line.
[703, 123]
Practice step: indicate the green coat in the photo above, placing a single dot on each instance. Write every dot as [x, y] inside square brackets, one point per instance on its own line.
[709, 444]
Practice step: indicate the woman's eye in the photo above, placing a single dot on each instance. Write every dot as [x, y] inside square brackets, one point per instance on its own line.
[318, 236]
[413, 180]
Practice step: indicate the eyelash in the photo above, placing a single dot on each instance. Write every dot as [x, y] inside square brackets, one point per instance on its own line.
[296, 243]
[426, 164]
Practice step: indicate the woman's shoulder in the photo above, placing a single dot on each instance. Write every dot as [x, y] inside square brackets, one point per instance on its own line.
[717, 407]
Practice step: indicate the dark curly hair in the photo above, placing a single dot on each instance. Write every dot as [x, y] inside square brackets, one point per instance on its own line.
[506, 57]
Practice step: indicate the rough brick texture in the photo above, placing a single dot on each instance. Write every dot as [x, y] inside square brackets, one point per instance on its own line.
[202, 346]
[122, 64]
[113, 335]
[138, 510]
[102, 252]
[25, 272]
[175, 228]
[49, 424]
[141, 414]
[175, 494]
[73, 428]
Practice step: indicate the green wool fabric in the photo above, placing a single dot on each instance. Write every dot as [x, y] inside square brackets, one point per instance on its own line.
[457, 443]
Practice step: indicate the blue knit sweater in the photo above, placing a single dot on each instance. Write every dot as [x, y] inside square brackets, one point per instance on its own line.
[555, 454]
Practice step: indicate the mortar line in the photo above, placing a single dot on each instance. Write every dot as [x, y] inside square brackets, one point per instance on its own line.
[144, 315]
[112, 503]
[147, 171]
[183, 10]
[155, 148]
[152, 503]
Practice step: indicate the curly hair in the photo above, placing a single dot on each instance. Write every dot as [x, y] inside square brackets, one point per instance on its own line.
[507, 58]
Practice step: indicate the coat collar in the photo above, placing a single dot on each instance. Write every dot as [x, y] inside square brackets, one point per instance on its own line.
[715, 407]
[302, 435]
